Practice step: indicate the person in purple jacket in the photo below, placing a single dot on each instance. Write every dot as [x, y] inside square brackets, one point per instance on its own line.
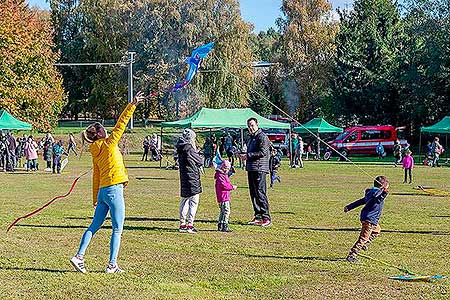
[223, 189]
[370, 215]
[408, 165]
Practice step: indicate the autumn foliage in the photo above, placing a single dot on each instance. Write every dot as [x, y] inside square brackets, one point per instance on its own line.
[30, 86]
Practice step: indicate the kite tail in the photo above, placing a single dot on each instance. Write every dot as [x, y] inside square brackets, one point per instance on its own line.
[47, 204]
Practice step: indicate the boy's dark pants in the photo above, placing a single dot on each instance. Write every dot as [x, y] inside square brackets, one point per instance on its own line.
[258, 189]
[368, 233]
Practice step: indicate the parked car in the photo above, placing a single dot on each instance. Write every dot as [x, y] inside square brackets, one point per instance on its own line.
[279, 138]
[364, 139]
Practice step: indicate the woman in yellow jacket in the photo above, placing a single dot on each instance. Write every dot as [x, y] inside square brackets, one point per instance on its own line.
[109, 178]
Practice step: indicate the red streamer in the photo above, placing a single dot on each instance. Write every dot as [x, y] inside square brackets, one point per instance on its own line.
[47, 204]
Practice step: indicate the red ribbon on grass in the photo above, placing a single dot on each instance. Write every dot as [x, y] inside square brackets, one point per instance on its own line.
[47, 204]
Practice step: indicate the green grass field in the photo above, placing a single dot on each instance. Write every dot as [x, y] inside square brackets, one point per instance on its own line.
[300, 257]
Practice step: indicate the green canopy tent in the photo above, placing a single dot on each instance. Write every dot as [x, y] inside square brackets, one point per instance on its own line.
[317, 126]
[224, 118]
[442, 127]
[8, 122]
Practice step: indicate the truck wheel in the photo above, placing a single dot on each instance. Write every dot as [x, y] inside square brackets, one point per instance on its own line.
[344, 153]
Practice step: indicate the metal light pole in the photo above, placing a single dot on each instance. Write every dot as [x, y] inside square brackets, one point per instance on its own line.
[130, 83]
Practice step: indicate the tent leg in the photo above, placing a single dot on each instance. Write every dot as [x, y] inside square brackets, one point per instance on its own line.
[291, 156]
[242, 147]
[446, 144]
[161, 135]
[318, 146]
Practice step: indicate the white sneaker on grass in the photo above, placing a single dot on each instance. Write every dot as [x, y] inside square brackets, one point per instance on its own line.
[78, 264]
[113, 269]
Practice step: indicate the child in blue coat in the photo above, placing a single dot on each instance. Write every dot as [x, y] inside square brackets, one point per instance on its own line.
[57, 152]
[373, 202]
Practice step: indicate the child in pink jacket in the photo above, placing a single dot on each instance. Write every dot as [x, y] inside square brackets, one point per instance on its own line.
[408, 165]
[223, 189]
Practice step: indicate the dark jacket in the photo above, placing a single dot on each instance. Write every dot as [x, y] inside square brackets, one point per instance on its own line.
[374, 201]
[274, 162]
[258, 152]
[190, 162]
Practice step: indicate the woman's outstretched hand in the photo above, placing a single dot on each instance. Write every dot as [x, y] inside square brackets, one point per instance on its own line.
[138, 98]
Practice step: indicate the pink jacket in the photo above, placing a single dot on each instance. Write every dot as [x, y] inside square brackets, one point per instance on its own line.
[408, 162]
[223, 186]
[31, 150]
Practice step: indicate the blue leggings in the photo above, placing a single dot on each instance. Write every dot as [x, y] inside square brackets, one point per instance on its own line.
[110, 198]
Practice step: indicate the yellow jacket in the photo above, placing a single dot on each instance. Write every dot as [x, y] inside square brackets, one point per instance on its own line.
[109, 168]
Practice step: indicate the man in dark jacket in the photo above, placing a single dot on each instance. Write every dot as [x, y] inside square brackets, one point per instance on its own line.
[257, 167]
[190, 163]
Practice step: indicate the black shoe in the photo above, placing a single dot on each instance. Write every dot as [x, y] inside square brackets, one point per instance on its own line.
[364, 248]
[219, 227]
[352, 259]
[226, 229]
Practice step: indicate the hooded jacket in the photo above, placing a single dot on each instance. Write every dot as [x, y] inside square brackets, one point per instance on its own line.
[223, 186]
[107, 160]
[189, 162]
[374, 202]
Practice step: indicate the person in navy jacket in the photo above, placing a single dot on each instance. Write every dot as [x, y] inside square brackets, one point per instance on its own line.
[373, 202]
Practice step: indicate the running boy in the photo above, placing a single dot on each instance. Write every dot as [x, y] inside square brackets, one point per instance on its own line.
[370, 215]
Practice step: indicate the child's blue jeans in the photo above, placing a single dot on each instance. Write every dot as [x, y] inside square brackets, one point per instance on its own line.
[110, 199]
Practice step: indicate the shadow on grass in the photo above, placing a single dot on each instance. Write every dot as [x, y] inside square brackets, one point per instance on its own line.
[38, 270]
[409, 194]
[382, 230]
[307, 258]
[283, 213]
[443, 216]
[126, 227]
[146, 167]
[145, 219]
[19, 173]
[154, 178]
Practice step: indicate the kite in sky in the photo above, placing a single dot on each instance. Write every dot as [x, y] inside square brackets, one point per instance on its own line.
[194, 61]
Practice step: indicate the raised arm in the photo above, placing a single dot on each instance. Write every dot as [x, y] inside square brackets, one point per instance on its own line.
[122, 122]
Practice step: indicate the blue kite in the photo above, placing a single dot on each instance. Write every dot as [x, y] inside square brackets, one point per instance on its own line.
[194, 61]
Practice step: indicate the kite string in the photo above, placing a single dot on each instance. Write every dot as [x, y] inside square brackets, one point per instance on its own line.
[295, 120]
[387, 264]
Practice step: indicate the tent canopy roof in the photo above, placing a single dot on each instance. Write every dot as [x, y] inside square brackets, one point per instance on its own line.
[443, 126]
[224, 117]
[317, 125]
[7, 121]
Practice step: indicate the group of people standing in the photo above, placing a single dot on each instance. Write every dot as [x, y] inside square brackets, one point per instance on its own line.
[110, 177]
[12, 150]
[151, 145]
[257, 158]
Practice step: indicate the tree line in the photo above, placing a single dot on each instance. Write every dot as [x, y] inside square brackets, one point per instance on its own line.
[378, 63]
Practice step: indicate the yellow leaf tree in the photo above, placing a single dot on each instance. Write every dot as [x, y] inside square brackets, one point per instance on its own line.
[30, 86]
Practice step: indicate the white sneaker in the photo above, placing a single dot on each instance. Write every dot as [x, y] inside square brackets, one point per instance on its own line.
[113, 269]
[78, 264]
